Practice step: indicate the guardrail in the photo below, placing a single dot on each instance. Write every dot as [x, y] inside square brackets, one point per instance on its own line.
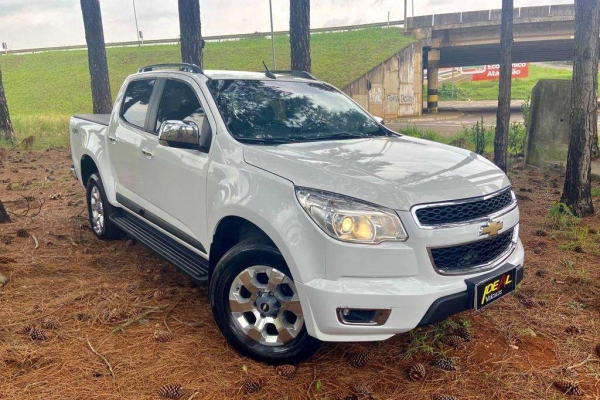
[217, 38]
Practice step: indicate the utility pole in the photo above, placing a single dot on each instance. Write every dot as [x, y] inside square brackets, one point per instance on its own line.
[272, 36]
[137, 28]
[405, 11]
[413, 8]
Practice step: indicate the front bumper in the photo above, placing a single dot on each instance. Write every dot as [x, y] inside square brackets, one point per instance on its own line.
[413, 302]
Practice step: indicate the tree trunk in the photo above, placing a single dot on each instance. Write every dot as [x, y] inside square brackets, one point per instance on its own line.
[584, 103]
[4, 217]
[191, 32]
[300, 34]
[94, 36]
[503, 114]
[6, 128]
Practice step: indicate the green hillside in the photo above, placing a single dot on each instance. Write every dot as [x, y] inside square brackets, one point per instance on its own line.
[44, 89]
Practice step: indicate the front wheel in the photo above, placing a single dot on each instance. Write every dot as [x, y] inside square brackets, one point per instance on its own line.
[257, 308]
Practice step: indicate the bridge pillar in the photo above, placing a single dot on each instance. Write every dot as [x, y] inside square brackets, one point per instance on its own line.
[433, 62]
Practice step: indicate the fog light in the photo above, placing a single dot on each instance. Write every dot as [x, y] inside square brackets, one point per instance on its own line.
[363, 316]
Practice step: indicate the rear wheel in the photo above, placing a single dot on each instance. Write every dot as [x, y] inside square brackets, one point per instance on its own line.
[99, 210]
[256, 305]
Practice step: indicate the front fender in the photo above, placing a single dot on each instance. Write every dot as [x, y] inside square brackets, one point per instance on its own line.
[269, 202]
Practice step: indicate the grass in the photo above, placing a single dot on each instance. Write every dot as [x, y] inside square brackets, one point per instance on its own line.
[472, 135]
[488, 90]
[43, 90]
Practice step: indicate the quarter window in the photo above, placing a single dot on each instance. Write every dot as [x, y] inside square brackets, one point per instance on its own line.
[179, 103]
[135, 104]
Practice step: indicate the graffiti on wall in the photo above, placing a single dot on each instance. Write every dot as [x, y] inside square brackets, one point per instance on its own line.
[376, 94]
[400, 98]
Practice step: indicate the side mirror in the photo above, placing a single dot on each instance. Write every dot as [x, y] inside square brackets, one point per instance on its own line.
[379, 120]
[179, 134]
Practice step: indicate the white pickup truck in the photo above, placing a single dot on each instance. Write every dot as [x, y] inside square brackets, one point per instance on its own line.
[309, 220]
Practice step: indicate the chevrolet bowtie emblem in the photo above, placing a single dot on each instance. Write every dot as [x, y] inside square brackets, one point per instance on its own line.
[491, 228]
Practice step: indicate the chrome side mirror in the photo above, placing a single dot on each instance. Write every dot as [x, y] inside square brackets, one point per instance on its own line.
[379, 120]
[179, 134]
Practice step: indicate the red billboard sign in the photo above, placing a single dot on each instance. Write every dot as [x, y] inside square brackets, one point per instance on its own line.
[492, 72]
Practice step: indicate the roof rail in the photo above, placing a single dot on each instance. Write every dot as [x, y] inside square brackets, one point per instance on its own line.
[299, 74]
[180, 66]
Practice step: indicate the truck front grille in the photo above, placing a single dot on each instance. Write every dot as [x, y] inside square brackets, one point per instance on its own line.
[463, 211]
[474, 255]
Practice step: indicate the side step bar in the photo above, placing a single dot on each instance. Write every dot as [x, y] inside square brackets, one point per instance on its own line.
[182, 257]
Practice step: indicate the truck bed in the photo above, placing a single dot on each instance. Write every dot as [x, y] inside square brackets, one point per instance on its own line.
[102, 119]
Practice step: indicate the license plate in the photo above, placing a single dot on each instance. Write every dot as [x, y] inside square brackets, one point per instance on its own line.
[492, 289]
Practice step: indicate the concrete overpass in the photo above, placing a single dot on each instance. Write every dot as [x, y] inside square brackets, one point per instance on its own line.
[541, 33]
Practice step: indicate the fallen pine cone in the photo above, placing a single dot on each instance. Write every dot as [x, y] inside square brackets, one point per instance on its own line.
[360, 389]
[359, 360]
[416, 372]
[463, 333]
[171, 391]
[38, 334]
[159, 295]
[598, 350]
[50, 323]
[25, 329]
[444, 363]
[162, 336]
[453, 341]
[528, 302]
[569, 387]
[287, 371]
[573, 330]
[253, 385]
[444, 397]
[22, 233]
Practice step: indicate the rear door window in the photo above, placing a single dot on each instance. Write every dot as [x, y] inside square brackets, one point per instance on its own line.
[137, 99]
[179, 103]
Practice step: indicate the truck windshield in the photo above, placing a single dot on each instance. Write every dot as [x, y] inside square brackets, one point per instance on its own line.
[281, 111]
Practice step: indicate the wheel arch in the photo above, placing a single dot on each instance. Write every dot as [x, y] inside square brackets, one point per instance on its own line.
[87, 167]
[231, 230]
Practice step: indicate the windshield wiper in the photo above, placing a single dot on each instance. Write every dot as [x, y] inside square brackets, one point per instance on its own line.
[265, 140]
[341, 136]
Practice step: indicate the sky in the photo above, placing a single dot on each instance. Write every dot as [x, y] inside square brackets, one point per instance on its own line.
[44, 23]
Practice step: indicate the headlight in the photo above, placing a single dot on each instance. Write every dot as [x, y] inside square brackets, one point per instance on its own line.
[351, 220]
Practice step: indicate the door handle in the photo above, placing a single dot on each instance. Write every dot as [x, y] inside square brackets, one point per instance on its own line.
[112, 139]
[147, 153]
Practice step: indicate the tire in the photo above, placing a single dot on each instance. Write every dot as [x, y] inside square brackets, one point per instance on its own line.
[100, 209]
[243, 273]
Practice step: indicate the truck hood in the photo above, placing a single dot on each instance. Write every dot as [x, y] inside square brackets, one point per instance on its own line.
[396, 172]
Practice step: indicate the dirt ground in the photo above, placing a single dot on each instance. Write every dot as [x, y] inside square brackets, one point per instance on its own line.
[80, 289]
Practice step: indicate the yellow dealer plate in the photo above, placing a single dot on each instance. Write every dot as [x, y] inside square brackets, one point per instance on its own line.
[492, 289]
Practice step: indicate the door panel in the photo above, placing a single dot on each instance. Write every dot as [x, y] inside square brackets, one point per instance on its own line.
[128, 134]
[175, 179]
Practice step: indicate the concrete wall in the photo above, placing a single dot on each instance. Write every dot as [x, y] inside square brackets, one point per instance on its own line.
[521, 15]
[547, 141]
[396, 85]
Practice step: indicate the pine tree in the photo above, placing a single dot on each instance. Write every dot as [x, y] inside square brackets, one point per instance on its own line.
[503, 114]
[577, 192]
[6, 128]
[94, 36]
[300, 34]
[191, 32]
